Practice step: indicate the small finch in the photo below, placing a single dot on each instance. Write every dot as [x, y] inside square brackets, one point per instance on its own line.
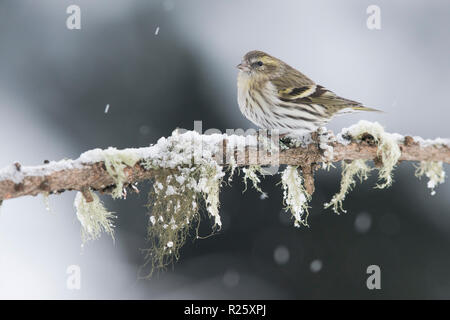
[273, 95]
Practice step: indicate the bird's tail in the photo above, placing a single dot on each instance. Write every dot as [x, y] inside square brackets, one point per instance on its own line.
[362, 108]
[355, 108]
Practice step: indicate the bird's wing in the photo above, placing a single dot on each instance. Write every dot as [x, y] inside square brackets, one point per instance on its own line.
[314, 94]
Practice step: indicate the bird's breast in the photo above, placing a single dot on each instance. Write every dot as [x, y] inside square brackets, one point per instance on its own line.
[255, 99]
[243, 85]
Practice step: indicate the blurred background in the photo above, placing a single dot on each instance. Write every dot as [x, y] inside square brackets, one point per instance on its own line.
[55, 84]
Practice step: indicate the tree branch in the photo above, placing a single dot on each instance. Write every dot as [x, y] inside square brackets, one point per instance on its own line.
[57, 177]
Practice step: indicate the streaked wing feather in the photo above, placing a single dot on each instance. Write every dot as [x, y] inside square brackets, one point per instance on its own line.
[313, 94]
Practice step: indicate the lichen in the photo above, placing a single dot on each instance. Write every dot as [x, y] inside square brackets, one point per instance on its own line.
[388, 149]
[175, 202]
[46, 200]
[208, 185]
[325, 139]
[93, 216]
[356, 168]
[232, 168]
[251, 173]
[295, 196]
[115, 163]
[327, 166]
[172, 215]
[434, 171]
[187, 179]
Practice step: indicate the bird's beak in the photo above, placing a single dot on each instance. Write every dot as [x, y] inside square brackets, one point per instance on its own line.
[243, 66]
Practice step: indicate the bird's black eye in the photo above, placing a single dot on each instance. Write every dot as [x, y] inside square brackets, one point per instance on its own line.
[257, 64]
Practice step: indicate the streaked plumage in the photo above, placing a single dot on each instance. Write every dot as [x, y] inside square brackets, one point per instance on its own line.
[273, 95]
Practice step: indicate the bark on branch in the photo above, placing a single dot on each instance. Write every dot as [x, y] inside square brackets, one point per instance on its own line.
[97, 177]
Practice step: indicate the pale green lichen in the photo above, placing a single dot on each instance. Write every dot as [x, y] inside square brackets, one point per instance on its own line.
[295, 196]
[356, 169]
[173, 212]
[388, 149]
[232, 168]
[251, 173]
[116, 162]
[46, 200]
[93, 216]
[175, 202]
[434, 171]
[326, 138]
[187, 178]
[209, 186]
[327, 166]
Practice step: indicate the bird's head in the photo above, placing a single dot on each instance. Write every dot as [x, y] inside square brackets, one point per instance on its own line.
[260, 64]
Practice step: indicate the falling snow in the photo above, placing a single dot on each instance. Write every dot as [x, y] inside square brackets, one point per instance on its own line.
[315, 266]
[263, 196]
[281, 255]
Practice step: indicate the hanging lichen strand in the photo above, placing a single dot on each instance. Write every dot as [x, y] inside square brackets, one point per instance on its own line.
[387, 144]
[388, 153]
[177, 195]
[434, 171]
[174, 203]
[295, 196]
[356, 168]
[93, 216]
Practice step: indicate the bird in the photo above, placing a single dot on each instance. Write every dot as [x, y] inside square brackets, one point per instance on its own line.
[275, 96]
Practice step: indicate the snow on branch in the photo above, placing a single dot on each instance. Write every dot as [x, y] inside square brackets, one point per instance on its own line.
[187, 171]
[110, 170]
